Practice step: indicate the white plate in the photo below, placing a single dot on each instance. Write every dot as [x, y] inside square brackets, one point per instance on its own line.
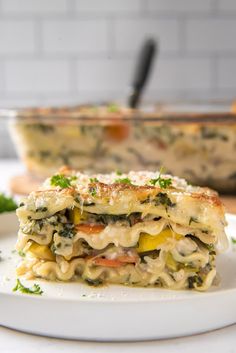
[114, 313]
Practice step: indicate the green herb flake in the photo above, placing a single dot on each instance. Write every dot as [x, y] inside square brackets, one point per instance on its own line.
[192, 219]
[233, 240]
[92, 191]
[194, 282]
[211, 249]
[163, 199]
[147, 200]
[62, 181]
[94, 180]
[113, 108]
[118, 172]
[68, 231]
[21, 288]
[205, 231]
[123, 181]
[7, 204]
[78, 199]
[163, 183]
[93, 282]
[21, 253]
[41, 209]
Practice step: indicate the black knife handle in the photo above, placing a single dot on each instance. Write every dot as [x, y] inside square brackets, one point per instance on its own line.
[142, 71]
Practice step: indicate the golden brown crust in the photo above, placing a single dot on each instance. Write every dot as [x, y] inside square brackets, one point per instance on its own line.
[65, 170]
[105, 190]
[143, 191]
[212, 199]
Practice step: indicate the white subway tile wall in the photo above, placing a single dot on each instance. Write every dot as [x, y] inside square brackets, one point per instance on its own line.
[227, 73]
[70, 51]
[211, 35]
[34, 75]
[108, 6]
[17, 37]
[129, 33]
[34, 6]
[180, 6]
[75, 36]
[181, 75]
[104, 74]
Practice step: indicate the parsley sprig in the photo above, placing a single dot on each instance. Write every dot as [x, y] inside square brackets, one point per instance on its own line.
[21, 288]
[118, 172]
[93, 180]
[123, 181]
[233, 241]
[62, 181]
[163, 182]
[93, 191]
[192, 219]
[7, 204]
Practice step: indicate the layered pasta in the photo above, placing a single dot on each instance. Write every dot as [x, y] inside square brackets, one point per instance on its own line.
[102, 138]
[140, 228]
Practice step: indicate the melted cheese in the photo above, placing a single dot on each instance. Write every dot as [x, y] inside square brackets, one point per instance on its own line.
[112, 234]
[189, 202]
[159, 271]
[168, 215]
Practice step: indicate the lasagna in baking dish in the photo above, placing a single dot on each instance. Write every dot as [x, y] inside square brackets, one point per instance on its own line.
[140, 228]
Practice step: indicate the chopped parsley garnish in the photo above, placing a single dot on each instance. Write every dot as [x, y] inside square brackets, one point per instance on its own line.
[194, 281]
[7, 204]
[123, 181]
[62, 181]
[233, 240]
[163, 199]
[164, 183]
[68, 231]
[21, 288]
[92, 191]
[193, 219]
[118, 172]
[113, 108]
[93, 180]
[211, 248]
[21, 253]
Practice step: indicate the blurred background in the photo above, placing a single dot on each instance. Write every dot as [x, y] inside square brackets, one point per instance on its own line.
[73, 51]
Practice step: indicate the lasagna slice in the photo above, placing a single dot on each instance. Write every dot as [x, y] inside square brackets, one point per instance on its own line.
[140, 228]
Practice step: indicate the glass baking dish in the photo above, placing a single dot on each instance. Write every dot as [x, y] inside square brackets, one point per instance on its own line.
[192, 140]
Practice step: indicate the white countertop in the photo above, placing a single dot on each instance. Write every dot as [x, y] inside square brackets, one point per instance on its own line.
[223, 340]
